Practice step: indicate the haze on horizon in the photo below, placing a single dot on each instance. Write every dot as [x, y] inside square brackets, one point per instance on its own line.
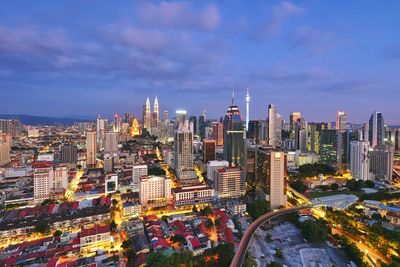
[63, 58]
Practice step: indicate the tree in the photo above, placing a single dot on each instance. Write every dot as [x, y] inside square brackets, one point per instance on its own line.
[206, 211]
[273, 264]
[209, 223]
[47, 202]
[334, 186]
[42, 228]
[114, 202]
[268, 237]
[57, 233]
[354, 185]
[113, 226]
[298, 186]
[369, 184]
[194, 209]
[279, 253]
[257, 208]
[178, 239]
[313, 231]
[126, 244]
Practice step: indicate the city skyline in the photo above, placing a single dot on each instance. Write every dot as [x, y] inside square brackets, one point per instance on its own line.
[299, 56]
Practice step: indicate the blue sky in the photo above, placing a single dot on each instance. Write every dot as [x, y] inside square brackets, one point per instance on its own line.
[82, 58]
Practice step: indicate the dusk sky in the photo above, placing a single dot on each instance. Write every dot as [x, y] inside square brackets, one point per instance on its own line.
[82, 58]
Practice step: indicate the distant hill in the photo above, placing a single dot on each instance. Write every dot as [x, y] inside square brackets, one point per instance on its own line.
[41, 120]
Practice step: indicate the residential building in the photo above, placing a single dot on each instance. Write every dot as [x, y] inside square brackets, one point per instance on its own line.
[69, 154]
[91, 149]
[137, 172]
[381, 163]
[183, 156]
[359, 160]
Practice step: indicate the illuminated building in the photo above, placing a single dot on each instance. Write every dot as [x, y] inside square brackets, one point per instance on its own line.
[359, 160]
[95, 238]
[341, 121]
[213, 166]
[183, 156]
[48, 179]
[111, 143]
[328, 147]
[5, 148]
[180, 117]
[137, 172]
[247, 109]
[218, 133]
[294, 117]
[117, 123]
[202, 125]
[274, 123]
[234, 135]
[91, 148]
[193, 120]
[69, 154]
[230, 182]
[209, 147]
[154, 191]
[147, 115]
[155, 118]
[376, 130]
[266, 174]
[135, 129]
[12, 127]
[381, 163]
[192, 195]
[101, 129]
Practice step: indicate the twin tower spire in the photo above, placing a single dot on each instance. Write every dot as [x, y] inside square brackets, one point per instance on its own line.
[151, 119]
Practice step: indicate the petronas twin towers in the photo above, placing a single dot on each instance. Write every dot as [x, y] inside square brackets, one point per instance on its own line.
[151, 119]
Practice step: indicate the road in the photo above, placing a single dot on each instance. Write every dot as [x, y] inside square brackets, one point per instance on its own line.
[73, 185]
[244, 243]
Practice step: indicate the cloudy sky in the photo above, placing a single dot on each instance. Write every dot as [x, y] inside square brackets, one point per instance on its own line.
[82, 58]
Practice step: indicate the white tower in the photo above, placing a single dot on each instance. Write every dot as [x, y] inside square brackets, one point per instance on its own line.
[247, 108]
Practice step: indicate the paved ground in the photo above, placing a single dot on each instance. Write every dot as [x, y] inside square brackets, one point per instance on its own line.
[289, 240]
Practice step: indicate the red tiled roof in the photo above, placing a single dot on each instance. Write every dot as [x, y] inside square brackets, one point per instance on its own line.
[195, 243]
[100, 229]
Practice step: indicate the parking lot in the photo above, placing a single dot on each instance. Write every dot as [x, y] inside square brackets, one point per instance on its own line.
[296, 251]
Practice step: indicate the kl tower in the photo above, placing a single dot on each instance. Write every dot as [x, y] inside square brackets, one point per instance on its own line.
[247, 108]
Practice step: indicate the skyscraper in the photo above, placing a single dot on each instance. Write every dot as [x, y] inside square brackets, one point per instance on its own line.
[117, 123]
[381, 163]
[341, 121]
[218, 133]
[359, 160]
[376, 130]
[247, 109]
[234, 135]
[5, 148]
[209, 147]
[183, 156]
[69, 154]
[202, 125]
[266, 173]
[156, 115]
[147, 115]
[180, 117]
[111, 143]
[193, 120]
[274, 131]
[294, 117]
[101, 129]
[91, 148]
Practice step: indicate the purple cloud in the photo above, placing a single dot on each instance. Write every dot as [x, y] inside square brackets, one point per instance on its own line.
[317, 40]
[180, 15]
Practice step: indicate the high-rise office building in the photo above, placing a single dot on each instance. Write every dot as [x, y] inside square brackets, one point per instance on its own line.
[147, 115]
[180, 117]
[341, 121]
[202, 125]
[155, 118]
[12, 127]
[183, 156]
[381, 163]
[359, 160]
[69, 154]
[165, 115]
[111, 143]
[218, 133]
[234, 135]
[247, 109]
[230, 182]
[5, 148]
[274, 131]
[117, 123]
[376, 130]
[101, 129]
[256, 131]
[314, 133]
[193, 121]
[91, 148]
[213, 166]
[328, 147]
[137, 172]
[209, 150]
[266, 174]
[294, 117]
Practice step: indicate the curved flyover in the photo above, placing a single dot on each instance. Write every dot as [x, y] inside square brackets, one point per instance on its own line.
[244, 243]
